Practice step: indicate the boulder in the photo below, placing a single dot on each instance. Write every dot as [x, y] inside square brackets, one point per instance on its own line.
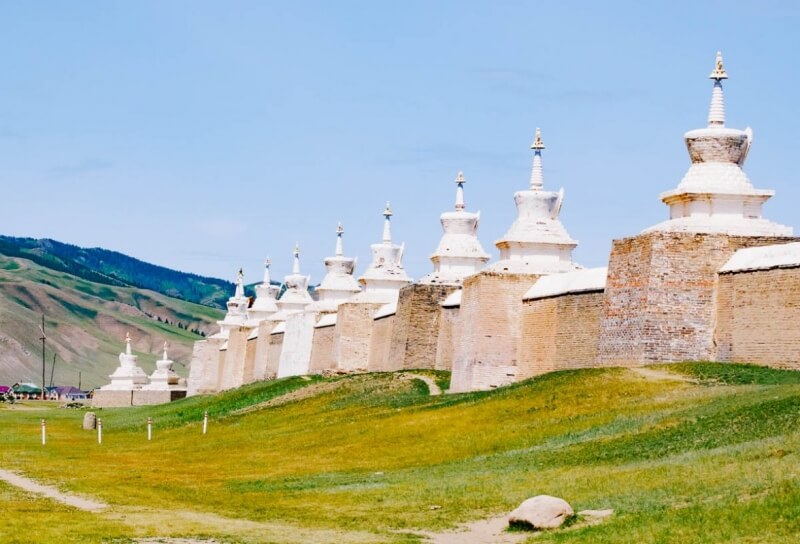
[541, 512]
[89, 421]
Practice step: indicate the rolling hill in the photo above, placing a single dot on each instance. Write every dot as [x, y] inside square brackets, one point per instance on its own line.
[86, 321]
[116, 269]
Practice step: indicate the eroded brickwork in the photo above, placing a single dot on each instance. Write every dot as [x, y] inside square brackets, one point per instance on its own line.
[447, 338]
[353, 336]
[248, 376]
[560, 332]
[274, 354]
[491, 308]
[322, 350]
[379, 351]
[204, 366]
[757, 317]
[660, 296]
[416, 329]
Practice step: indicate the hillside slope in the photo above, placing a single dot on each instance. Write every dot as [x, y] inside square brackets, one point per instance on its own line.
[114, 268]
[701, 453]
[86, 323]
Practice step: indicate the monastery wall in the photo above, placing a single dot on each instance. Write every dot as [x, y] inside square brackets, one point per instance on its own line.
[353, 335]
[379, 351]
[660, 296]
[447, 338]
[758, 312]
[560, 332]
[295, 358]
[274, 354]
[231, 369]
[204, 366]
[322, 350]
[416, 331]
[262, 351]
[248, 375]
[491, 309]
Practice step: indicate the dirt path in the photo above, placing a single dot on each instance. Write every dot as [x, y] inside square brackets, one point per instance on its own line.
[653, 374]
[433, 389]
[51, 492]
[485, 531]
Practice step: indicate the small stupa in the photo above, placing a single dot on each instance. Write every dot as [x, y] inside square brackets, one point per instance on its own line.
[163, 377]
[339, 283]
[459, 253]
[265, 303]
[385, 276]
[537, 242]
[295, 296]
[237, 309]
[715, 195]
[128, 376]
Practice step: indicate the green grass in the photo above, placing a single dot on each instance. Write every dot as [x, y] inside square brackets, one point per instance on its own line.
[706, 462]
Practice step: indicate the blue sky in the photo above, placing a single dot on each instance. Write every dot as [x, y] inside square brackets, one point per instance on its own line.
[206, 135]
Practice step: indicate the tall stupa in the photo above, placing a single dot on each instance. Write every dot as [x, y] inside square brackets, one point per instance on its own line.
[715, 195]
[537, 242]
[459, 253]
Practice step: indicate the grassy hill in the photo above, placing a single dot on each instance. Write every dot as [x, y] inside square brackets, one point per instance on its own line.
[700, 453]
[113, 268]
[86, 323]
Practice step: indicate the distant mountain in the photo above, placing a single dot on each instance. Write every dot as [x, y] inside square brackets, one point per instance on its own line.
[86, 321]
[115, 269]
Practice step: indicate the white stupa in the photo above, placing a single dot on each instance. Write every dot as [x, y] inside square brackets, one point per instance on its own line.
[339, 283]
[295, 297]
[237, 309]
[128, 376]
[163, 377]
[715, 195]
[265, 303]
[537, 242]
[459, 253]
[385, 276]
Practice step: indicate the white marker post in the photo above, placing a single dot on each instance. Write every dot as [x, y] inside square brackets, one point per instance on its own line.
[205, 422]
[99, 431]
[149, 428]
[44, 433]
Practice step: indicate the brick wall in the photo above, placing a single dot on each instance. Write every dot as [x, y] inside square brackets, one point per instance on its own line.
[447, 338]
[660, 296]
[297, 340]
[248, 375]
[416, 329]
[204, 366]
[274, 354]
[757, 317]
[231, 369]
[491, 309]
[379, 351]
[353, 335]
[322, 350]
[261, 361]
[560, 332]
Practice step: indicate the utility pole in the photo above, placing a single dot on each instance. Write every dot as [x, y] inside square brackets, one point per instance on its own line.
[43, 339]
[79, 380]
[52, 370]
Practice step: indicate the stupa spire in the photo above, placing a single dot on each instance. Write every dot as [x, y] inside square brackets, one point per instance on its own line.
[716, 112]
[537, 176]
[128, 343]
[296, 264]
[460, 181]
[239, 284]
[339, 248]
[166, 350]
[267, 278]
[387, 227]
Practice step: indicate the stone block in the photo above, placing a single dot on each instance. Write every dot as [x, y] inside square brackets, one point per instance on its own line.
[322, 350]
[661, 293]
[416, 327]
[380, 343]
[353, 335]
[491, 309]
[112, 399]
